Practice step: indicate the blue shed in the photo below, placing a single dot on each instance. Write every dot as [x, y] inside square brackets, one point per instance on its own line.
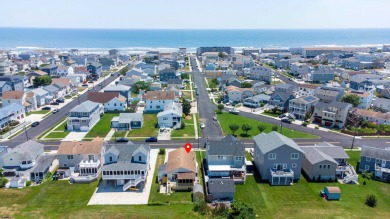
[332, 192]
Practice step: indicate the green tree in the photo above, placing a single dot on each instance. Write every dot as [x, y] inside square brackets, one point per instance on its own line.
[201, 207]
[246, 128]
[371, 201]
[242, 211]
[124, 70]
[261, 128]
[275, 128]
[212, 86]
[352, 99]
[3, 181]
[215, 81]
[185, 76]
[234, 128]
[41, 81]
[220, 107]
[221, 55]
[140, 85]
[186, 107]
[246, 85]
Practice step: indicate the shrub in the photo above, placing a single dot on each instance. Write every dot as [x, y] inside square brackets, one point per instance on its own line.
[317, 127]
[201, 207]
[182, 125]
[275, 128]
[367, 175]
[28, 183]
[371, 201]
[3, 181]
[364, 183]
[304, 124]
[161, 151]
[261, 104]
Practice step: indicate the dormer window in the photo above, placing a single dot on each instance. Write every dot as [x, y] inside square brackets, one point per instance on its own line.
[110, 158]
[139, 158]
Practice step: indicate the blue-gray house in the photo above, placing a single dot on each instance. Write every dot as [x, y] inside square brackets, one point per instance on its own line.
[50, 69]
[376, 161]
[95, 69]
[167, 74]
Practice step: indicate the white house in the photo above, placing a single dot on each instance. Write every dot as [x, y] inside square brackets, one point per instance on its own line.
[156, 100]
[365, 98]
[18, 97]
[171, 116]
[112, 101]
[307, 90]
[84, 116]
[10, 113]
[65, 70]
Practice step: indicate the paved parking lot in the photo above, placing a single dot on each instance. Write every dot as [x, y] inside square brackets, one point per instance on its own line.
[109, 195]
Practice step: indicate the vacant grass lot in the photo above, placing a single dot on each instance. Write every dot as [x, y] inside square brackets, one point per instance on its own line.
[59, 199]
[102, 128]
[179, 197]
[226, 119]
[57, 135]
[38, 112]
[302, 200]
[188, 131]
[148, 129]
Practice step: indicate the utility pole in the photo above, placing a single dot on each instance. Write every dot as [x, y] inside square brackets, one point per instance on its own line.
[198, 121]
[25, 131]
[281, 126]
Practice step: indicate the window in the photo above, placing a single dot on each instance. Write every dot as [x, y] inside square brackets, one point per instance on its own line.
[110, 159]
[271, 156]
[284, 166]
[368, 159]
[91, 157]
[328, 166]
[367, 167]
[274, 166]
[139, 158]
[294, 156]
[65, 165]
[165, 118]
[377, 160]
[238, 158]
[320, 166]
[294, 165]
[70, 157]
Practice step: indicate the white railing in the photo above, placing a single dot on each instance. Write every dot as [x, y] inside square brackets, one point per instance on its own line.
[121, 176]
[15, 129]
[89, 164]
[133, 182]
[282, 173]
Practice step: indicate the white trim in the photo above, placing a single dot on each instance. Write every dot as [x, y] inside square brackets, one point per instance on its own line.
[293, 157]
[367, 167]
[272, 156]
[368, 159]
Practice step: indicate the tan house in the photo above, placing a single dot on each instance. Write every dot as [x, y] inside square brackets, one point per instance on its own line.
[180, 171]
[19, 97]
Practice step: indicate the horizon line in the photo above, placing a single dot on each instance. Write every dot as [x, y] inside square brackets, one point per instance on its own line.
[104, 28]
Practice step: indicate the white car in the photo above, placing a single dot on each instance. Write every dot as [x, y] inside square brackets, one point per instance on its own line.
[202, 125]
[234, 111]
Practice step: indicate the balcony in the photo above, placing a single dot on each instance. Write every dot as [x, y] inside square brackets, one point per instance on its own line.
[89, 164]
[131, 177]
[382, 169]
[282, 173]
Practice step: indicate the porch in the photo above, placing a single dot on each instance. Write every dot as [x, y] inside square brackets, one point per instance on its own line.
[281, 177]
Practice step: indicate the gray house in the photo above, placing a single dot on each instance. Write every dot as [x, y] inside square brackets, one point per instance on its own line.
[220, 190]
[255, 101]
[122, 89]
[277, 158]
[325, 161]
[226, 158]
[376, 161]
[167, 74]
[128, 121]
[126, 165]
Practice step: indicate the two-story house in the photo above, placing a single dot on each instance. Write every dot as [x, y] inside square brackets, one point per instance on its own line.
[328, 94]
[277, 158]
[372, 116]
[65, 70]
[281, 100]
[376, 161]
[261, 73]
[126, 165]
[78, 159]
[325, 161]
[18, 97]
[300, 107]
[331, 114]
[365, 98]
[298, 68]
[122, 89]
[307, 90]
[381, 105]
[42, 97]
[226, 158]
[167, 74]
[180, 171]
[112, 101]
[84, 116]
[50, 69]
[155, 101]
[11, 112]
[95, 69]
[171, 116]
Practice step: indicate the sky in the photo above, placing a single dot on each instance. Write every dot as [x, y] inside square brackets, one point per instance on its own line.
[196, 14]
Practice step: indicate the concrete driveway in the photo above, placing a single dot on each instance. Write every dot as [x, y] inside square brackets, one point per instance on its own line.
[109, 195]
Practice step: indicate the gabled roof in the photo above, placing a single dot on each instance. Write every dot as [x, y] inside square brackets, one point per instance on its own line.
[229, 145]
[383, 154]
[273, 140]
[117, 87]
[51, 88]
[313, 155]
[28, 150]
[179, 158]
[40, 91]
[10, 108]
[61, 81]
[86, 106]
[81, 147]
[160, 95]
[12, 95]
[102, 97]
[336, 104]
[172, 108]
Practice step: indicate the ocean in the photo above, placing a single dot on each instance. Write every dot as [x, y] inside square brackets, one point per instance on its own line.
[141, 40]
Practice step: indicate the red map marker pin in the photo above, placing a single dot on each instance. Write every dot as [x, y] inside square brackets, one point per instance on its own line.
[188, 147]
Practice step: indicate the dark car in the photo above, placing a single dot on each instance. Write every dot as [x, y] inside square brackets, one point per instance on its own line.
[282, 115]
[60, 100]
[46, 108]
[151, 139]
[34, 124]
[122, 140]
[55, 103]
[286, 121]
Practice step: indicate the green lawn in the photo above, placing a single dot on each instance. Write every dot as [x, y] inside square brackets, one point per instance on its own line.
[271, 114]
[102, 128]
[179, 197]
[118, 134]
[225, 119]
[188, 131]
[59, 199]
[186, 95]
[148, 129]
[302, 200]
[38, 112]
[248, 156]
[133, 95]
[57, 135]
[199, 160]
[60, 128]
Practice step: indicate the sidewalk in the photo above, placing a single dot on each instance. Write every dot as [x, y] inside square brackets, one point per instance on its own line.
[109, 135]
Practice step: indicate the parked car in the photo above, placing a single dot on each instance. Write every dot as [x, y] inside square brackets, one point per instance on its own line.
[151, 139]
[56, 110]
[197, 93]
[89, 89]
[202, 125]
[234, 111]
[282, 115]
[215, 118]
[60, 100]
[122, 140]
[54, 103]
[85, 85]
[112, 74]
[34, 124]
[46, 108]
[286, 121]
[90, 81]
